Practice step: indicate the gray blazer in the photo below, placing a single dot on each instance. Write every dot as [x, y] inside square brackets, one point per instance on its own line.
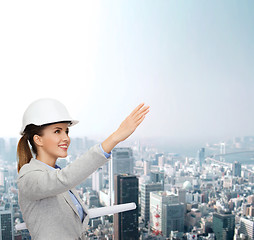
[45, 203]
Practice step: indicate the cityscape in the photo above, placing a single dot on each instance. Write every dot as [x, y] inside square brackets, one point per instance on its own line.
[206, 195]
[189, 167]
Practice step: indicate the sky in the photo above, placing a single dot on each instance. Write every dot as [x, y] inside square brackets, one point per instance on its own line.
[192, 62]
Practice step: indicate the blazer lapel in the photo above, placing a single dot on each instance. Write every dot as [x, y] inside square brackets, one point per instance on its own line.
[74, 191]
[86, 219]
[67, 198]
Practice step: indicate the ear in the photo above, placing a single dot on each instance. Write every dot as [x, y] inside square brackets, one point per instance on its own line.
[37, 140]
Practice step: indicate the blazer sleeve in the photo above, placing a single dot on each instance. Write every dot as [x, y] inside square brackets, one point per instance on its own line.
[37, 184]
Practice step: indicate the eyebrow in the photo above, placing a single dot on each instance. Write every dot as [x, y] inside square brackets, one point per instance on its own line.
[61, 128]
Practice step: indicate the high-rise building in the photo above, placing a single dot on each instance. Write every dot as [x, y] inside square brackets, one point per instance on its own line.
[12, 148]
[224, 225]
[3, 175]
[126, 223]
[201, 156]
[146, 188]
[181, 192]
[6, 224]
[97, 180]
[237, 168]
[172, 218]
[157, 177]
[247, 227]
[147, 168]
[161, 161]
[121, 163]
[2, 148]
[166, 213]
[222, 151]
[250, 199]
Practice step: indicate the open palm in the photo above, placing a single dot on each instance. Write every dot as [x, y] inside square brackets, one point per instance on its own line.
[129, 125]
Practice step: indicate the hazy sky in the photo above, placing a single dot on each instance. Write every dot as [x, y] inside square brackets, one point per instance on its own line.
[192, 62]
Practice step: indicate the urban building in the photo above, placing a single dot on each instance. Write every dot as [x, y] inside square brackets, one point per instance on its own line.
[147, 168]
[166, 213]
[3, 175]
[126, 223]
[224, 225]
[201, 156]
[97, 180]
[6, 224]
[157, 177]
[247, 227]
[121, 163]
[146, 188]
[237, 168]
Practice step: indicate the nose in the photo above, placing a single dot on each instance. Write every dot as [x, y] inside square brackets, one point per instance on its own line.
[66, 137]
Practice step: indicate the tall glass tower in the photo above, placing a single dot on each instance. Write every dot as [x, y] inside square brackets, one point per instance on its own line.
[224, 225]
[201, 156]
[126, 223]
[6, 225]
[121, 163]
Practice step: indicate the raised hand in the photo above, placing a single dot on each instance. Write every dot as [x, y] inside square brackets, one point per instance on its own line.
[126, 128]
[129, 125]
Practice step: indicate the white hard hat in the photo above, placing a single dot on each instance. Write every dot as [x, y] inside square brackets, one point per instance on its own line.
[45, 111]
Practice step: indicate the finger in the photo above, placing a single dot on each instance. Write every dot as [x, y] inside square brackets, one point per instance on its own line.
[140, 120]
[141, 116]
[137, 108]
[141, 113]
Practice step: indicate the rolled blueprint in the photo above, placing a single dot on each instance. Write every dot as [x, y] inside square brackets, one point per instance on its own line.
[98, 212]
[20, 226]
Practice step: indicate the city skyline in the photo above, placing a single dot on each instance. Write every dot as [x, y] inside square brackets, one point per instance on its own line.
[189, 167]
[178, 196]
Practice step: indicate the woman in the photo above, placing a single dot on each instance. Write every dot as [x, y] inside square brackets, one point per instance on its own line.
[49, 202]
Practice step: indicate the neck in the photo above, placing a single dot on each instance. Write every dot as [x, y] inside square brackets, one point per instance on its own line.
[49, 160]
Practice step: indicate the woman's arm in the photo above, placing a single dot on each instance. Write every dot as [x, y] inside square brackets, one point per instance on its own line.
[127, 127]
[36, 184]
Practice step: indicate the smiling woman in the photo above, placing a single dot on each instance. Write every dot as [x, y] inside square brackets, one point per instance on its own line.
[51, 142]
[49, 202]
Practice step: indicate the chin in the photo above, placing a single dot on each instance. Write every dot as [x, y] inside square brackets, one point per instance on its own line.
[62, 155]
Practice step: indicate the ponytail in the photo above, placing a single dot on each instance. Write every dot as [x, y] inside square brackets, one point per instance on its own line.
[23, 151]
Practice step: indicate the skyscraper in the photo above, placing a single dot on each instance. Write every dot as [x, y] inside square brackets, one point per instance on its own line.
[97, 180]
[237, 168]
[3, 175]
[157, 177]
[6, 224]
[146, 188]
[201, 156]
[126, 223]
[224, 225]
[247, 227]
[166, 212]
[147, 168]
[222, 151]
[121, 163]
[172, 218]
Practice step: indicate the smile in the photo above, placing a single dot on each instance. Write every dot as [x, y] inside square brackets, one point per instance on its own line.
[63, 146]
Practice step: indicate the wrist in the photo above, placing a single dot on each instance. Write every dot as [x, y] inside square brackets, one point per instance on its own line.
[114, 138]
[110, 143]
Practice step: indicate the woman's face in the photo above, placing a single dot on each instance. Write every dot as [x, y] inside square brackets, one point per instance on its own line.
[54, 141]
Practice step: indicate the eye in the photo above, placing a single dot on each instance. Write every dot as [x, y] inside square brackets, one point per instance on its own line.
[57, 131]
[67, 131]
